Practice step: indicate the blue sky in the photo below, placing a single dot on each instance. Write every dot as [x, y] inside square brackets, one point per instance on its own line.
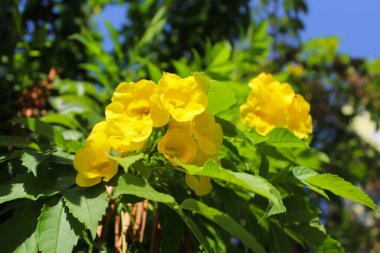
[356, 23]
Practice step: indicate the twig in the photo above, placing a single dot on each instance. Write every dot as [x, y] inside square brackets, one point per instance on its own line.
[126, 222]
[118, 241]
[143, 223]
[154, 231]
[139, 214]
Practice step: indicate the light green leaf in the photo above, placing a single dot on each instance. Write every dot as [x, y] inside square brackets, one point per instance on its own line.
[302, 173]
[73, 104]
[29, 246]
[115, 39]
[125, 162]
[182, 68]
[130, 184]
[21, 225]
[154, 71]
[31, 160]
[17, 142]
[87, 205]
[330, 246]
[283, 138]
[342, 188]
[54, 230]
[249, 182]
[62, 119]
[220, 97]
[224, 221]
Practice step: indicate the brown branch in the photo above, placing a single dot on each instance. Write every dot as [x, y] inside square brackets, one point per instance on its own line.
[139, 214]
[118, 242]
[126, 223]
[154, 231]
[143, 223]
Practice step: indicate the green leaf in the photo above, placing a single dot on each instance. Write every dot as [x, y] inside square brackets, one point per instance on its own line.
[155, 72]
[73, 104]
[87, 205]
[302, 173]
[29, 246]
[224, 221]
[13, 155]
[283, 138]
[194, 228]
[125, 162]
[31, 160]
[220, 97]
[172, 230]
[115, 39]
[48, 182]
[330, 246]
[182, 68]
[54, 230]
[130, 184]
[43, 129]
[219, 54]
[280, 243]
[19, 227]
[62, 119]
[249, 182]
[342, 188]
[17, 142]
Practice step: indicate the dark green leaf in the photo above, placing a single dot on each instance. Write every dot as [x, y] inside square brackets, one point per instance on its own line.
[224, 221]
[172, 230]
[249, 182]
[31, 160]
[43, 129]
[17, 142]
[29, 246]
[20, 226]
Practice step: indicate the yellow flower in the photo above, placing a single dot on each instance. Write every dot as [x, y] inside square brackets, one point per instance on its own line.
[273, 104]
[202, 134]
[134, 111]
[208, 134]
[299, 118]
[199, 184]
[178, 144]
[183, 98]
[92, 162]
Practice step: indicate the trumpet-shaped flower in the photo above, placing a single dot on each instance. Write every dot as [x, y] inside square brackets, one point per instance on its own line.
[202, 134]
[273, 104]
[201, 185]
[178, 144]
[299, 118]
[183, 98]
[134, 111]
[92, 162]
[208, 134]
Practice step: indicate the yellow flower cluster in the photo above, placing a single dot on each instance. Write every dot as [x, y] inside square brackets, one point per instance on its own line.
[193, 137]
[273, 104]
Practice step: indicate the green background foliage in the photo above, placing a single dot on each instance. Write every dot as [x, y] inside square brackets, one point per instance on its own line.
[41, 209]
